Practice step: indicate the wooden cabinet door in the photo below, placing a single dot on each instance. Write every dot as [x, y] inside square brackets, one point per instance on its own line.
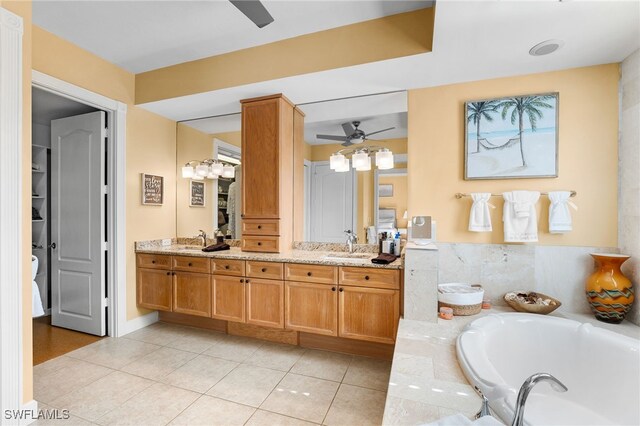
[192, 293]
[369, 314]
[260, 158]
[228, 298]
[154, 289]
[311, 307]
[265, 302]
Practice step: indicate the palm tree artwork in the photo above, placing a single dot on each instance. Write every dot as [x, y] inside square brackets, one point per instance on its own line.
[477, 111]
[529, 106]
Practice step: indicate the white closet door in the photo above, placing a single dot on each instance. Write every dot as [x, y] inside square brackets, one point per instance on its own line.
[332, 203]
[77, 218]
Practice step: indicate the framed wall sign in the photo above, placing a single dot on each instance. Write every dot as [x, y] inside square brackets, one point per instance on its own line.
[152, 190]
[511, 137]
[196, 189]
[385, 190]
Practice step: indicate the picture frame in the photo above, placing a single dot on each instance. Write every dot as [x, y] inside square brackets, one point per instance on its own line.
[385, 190]
[197, 196]
[512, 137]
[152, 189]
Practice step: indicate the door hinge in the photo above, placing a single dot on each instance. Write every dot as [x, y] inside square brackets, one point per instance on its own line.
[105, 189]
[105, 246]
[105, 302]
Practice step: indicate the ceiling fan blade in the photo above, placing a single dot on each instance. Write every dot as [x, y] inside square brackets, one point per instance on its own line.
[348, 143]
[379, 131]
[332, 137]
[254, 10]
[348, 129]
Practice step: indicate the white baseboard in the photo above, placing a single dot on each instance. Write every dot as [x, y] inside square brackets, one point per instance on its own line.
[31, 406]
[138, 323]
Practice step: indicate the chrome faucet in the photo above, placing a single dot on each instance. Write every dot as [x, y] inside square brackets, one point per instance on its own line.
[351, 240]
[203, 235]
[484, 409]
[557, 385]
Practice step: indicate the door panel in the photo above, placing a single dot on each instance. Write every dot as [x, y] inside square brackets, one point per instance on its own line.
[192, 293]
[369, 314]
[228, 298]
[77, 215]
[312, 308]
[332, 203]
[154, 289]
[265, 302]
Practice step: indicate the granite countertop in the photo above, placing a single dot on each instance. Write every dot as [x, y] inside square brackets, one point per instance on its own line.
[315, 257]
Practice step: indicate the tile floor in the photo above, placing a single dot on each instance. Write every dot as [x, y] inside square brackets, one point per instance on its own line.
[169, 374]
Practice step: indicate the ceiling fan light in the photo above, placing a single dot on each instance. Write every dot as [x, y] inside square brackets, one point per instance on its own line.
[366, 167]
[216, 168]
[202, 170]
[336, 161]
[344, 167]
[228, 172]
[384, 159]
[187, 171]
[359, 159]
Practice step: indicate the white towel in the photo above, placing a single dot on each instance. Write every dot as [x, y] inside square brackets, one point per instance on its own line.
[36, 308]
[480, 218]
[559, 215]
[519, 216]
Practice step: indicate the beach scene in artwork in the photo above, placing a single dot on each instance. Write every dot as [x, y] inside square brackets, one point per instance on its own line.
[512, 137]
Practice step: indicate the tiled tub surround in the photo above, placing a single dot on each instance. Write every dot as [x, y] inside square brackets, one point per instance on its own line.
[426, 381]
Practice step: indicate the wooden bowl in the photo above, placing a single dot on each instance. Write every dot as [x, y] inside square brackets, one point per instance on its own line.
[533, 308]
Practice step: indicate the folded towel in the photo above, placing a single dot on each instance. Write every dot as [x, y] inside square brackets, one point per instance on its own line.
[480, 218]
[36, 308]
[519, 216]
[217, 247]
[559, 215]
[384, 259]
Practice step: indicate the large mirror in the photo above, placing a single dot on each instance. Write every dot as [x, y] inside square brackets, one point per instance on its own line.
[367, 202]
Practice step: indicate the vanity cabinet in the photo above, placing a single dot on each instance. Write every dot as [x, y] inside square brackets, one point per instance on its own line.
[312, 308]
[192, 293]
[370, 314]
[228, 298]
[154, 289]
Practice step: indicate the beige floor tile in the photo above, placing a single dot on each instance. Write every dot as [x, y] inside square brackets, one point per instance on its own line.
[195, 340]
[210, 411]
[247, 385]
[302, 397]
[200, 374]
[158, 334]
[354, 405]
[60, 420]
[95, 400]
[114, 352]
[276, 356]
[156, 405]
[74, 375]
[267, 418]
[159, 364]
[368, 373]
[234, 348]
[52, 365]
[322, 364]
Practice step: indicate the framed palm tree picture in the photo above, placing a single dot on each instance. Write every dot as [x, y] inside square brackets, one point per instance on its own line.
[512, 137]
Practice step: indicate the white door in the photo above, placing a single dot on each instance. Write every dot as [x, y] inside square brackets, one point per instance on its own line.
[332, 203]
[77, 218]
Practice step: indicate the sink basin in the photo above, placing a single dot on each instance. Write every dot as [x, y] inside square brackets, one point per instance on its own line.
[349, 256]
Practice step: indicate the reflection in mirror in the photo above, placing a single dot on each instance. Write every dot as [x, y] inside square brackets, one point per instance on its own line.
[353, 148]
[208, 159]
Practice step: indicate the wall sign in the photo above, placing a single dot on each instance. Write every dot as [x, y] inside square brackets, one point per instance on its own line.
[152, 190]
[196, 189]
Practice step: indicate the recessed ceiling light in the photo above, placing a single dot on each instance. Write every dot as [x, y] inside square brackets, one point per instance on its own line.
[546, 47]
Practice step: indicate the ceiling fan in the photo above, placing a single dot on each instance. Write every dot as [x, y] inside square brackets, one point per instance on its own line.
[254, 10]
[353, 135]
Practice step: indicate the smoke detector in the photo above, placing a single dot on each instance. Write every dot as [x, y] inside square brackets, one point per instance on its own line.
[546, 47]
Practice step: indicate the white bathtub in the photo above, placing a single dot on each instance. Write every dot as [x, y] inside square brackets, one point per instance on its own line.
[601, 369]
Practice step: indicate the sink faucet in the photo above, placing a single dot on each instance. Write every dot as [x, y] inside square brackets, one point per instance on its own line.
[351, 240]
[203, 235]
[528, 384]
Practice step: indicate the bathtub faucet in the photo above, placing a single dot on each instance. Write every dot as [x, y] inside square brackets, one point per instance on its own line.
[528, 384]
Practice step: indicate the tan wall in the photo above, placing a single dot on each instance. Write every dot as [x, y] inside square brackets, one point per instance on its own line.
[233, 138]
[588, 155]
[193, 145]
[399, 199]
[151, 140]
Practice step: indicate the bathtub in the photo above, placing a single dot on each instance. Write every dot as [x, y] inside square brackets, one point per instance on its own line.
[601, 369]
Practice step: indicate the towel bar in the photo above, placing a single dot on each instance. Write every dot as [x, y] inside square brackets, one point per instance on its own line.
[461, 194]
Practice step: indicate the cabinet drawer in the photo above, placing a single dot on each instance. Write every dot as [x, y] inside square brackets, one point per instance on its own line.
[268, 270]
[370, 277]
[260, 227]
[311, 273]
[264, 244]
[191, 264]
[227, 267]
[160, 261]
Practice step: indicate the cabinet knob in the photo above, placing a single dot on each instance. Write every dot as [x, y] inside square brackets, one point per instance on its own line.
[168, 273]
[153, 261]
[259, 243]
[341, 290]
[264, 269]
[246, 281]
[308, 274]
[366, 277]
[241, 280]
[191, 264]
[333, 289]
[259, 226]
[226, 266]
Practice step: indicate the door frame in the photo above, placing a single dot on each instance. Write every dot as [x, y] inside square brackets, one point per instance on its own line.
[219, 143]
[116, 217]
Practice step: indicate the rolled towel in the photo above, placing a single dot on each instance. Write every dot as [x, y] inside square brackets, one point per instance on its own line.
[559, 215]
[217, 247]
[384, 259]
[480, 218]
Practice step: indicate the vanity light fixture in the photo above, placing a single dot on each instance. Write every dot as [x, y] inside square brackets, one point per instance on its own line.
[211, 169]
[361, 159]
[228, 172]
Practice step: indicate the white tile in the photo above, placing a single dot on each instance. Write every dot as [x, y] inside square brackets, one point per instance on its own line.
[200, 374]
[323, 365]
[434, 392]
[210, 411]
[159, 364]
[354, 405]
[247, 385]
[404, 412]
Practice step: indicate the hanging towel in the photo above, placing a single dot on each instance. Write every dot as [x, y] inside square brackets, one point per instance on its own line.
[480, 218]
[559, 215]
[519, 216]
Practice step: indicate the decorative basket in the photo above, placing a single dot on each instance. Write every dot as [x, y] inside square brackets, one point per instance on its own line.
[462, 310]
[533, 308]
[463, 298]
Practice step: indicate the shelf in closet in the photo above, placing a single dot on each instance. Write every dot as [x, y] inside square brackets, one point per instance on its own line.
[37, 220]
[38, 171]
[38, 197]
[39, 146]
[223, 193]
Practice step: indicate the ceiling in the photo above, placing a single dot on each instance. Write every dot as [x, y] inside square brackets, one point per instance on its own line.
[367, 124]
[148, 34]
[46, 107]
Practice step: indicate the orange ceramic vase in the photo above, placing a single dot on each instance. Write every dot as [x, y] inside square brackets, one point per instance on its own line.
[609, 292]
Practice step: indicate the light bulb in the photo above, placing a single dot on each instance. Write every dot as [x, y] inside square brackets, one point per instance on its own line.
[212, 175]
[359, 159]
[216, 168]
[336, 161]
[344, 167]
[384, 159]
[187, 172]
[366, 167]
[228, 172]
[202, 170]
